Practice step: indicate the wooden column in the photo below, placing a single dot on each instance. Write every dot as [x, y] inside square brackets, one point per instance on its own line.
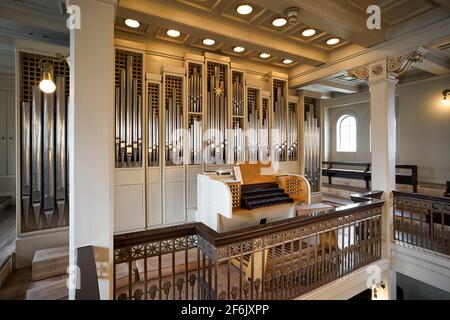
[91, 135]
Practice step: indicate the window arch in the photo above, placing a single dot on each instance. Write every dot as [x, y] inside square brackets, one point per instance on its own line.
[346, 134]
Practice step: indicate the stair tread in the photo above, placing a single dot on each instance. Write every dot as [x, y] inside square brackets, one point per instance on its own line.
[54, 288]
[48, 263]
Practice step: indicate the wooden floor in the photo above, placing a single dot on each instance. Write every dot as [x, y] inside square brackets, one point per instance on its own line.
[16, 285]
[7, 232]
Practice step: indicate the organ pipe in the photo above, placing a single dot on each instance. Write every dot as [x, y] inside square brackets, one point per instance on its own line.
[128, 105]
[312, 145]
[44, 184]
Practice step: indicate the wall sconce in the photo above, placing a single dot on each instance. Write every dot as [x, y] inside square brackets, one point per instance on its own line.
[381, 285]
[47, 85]
[445, 93]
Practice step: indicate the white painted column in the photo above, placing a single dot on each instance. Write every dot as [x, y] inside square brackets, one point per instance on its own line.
[91, 132]
[382, 112]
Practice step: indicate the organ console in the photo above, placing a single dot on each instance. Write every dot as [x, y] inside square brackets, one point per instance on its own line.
[254, 194]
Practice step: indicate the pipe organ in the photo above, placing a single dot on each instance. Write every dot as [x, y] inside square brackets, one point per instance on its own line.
[195, 113]
[128, 100]
[279, 123]
[312, 143]
[196, 118]
[43, 146]
[237, 111]
[253, 124]
[217, 113]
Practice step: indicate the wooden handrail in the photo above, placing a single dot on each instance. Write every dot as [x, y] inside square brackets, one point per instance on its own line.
[220, 239]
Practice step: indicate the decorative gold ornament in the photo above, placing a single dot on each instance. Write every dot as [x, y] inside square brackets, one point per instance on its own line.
[219, 91]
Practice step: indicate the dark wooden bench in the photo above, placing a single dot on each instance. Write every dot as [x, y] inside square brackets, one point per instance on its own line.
[329, 170]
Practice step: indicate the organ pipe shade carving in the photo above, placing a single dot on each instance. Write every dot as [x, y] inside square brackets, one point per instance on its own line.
[153, 124]
[237, 107]
[279, 123]
[253, 124]
[128, 110]
[312, 143]
[293, 131]
[43, 152]
[217, 115]
[195, 115]
[173, 92]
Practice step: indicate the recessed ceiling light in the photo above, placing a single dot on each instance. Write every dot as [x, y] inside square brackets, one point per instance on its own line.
[132, 23]
[279, 22]
[238, 49]
[333, 41]
[287, 61]
[309, 32]
[264, 55]
[173, 33]
[208, 42]
[244, 9]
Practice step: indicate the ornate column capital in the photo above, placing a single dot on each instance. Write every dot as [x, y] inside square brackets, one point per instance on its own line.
[391, 67]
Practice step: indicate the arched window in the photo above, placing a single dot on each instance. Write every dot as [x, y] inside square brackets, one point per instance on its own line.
[346, 134]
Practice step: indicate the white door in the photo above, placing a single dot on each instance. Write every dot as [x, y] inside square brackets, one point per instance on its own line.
[3, 133]
[11, 133]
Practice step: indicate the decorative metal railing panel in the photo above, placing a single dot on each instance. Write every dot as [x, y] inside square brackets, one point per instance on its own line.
[422, 221]
[279, 260]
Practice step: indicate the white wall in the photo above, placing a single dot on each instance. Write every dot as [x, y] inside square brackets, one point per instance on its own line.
[423, 128]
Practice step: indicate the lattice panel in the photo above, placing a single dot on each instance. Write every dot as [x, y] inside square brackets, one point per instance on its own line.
[121, 63]
[153, 123]
[235, 189]
[195, 87]
[264, 113]
[31, 74]
[154, 97]
[280, 84]
[174, 83]
[237, 92]
[222, 74]
[192, 66]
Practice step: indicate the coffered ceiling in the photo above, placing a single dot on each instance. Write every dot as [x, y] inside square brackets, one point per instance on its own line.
[219, 20]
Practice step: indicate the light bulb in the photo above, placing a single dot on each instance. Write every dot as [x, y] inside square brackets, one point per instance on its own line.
[333, 41]
[238, 49]
[208, 42]
[309, 32]
[287, 61]
[445, 101]
[173, 33]
[132, 23]
[279, 22]
[47, 86]
[264, 55]
[244, 9]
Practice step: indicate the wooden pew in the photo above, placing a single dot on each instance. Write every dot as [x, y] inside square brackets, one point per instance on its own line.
[365, 173]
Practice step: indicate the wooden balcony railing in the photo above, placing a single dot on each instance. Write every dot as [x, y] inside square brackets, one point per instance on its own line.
[422, 221]
[279, 260]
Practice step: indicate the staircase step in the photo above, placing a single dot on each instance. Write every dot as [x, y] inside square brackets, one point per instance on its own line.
[5, 202]
[54, 288]
[48, 263]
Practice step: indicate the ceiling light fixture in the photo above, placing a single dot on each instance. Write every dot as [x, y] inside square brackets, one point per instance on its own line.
[173, 33]
[291, 14]
[244, 9]
[238, 49]
[287, 61]
[333, 41]
[445, 101]
[279, 22]
[208, 42]
[264, 55]
[132, 23]
[309, 32]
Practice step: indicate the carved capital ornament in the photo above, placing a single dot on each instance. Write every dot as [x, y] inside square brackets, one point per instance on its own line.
[392, 66]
